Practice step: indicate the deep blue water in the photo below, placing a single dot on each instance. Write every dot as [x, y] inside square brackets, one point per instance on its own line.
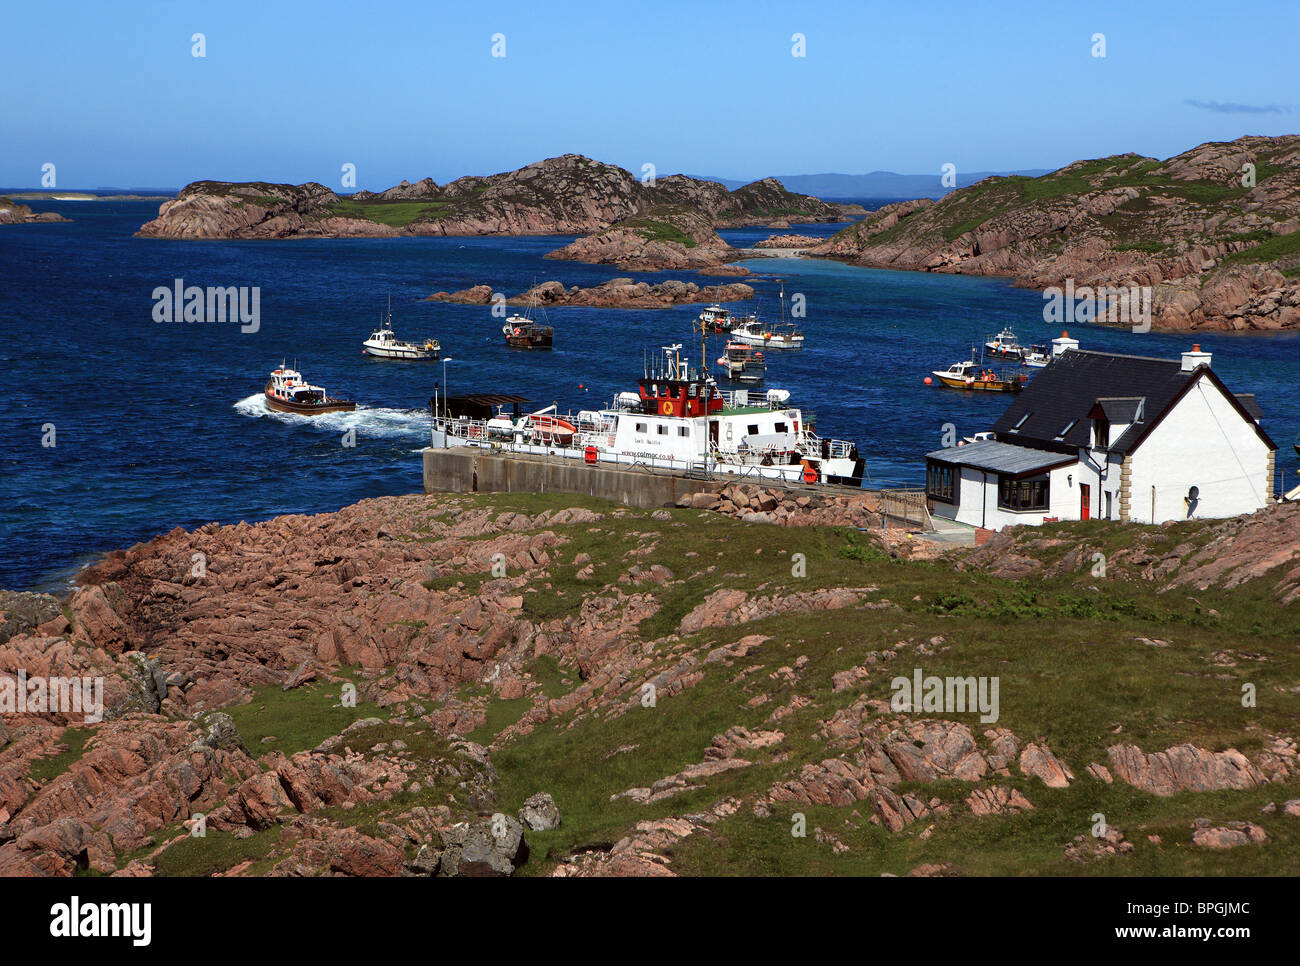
[156, 428]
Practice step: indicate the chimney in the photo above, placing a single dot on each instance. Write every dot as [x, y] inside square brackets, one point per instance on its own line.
[1063, 344]
[1195, 358]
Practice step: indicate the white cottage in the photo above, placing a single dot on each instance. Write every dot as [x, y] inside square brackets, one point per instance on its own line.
[1098, 435]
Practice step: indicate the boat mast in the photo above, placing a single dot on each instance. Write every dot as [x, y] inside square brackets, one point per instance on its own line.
[704, 354]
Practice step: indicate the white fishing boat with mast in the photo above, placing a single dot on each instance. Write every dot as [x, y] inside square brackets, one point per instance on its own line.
[784, 336]
[384, 344]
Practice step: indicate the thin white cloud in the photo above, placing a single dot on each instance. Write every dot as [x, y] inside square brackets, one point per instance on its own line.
[1229, 107]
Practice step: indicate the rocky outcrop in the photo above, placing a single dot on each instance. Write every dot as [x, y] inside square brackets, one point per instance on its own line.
[1218, 251]
[663, 238]
[1230, 836]
[617, 293]
[1228, 553]
[12, 213]
[757, 504]
[1183, 768]
[789, 241]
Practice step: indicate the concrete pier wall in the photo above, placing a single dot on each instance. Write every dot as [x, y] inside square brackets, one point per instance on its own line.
[464, 469]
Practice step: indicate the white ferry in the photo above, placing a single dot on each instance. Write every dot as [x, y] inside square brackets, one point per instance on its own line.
[678, 421]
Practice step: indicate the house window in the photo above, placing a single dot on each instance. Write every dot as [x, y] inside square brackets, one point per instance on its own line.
[1027, 494]
[939, 482]
[1100, 432]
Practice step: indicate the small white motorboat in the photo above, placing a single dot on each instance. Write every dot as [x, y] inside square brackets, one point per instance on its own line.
[384, 344]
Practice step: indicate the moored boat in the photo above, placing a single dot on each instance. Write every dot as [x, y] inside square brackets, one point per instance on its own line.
[715, 318]
[288, 392]
[1038, 357]
[384, 344]
[524, 333]
[743, 363]
[754, 333]
[1005, 346]
[972, 375]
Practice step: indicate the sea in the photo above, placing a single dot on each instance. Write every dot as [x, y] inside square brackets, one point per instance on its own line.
[115, 427]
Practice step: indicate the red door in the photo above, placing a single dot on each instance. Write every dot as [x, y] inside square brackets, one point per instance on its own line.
[1085, 492]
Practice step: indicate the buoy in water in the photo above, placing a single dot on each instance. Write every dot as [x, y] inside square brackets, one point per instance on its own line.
[929, 381]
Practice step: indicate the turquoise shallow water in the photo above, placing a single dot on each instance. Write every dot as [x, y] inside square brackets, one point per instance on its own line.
[159, 425]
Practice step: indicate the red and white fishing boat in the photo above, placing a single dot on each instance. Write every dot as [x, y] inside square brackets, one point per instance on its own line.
[677, 421]
[288, 392]
[715, 318]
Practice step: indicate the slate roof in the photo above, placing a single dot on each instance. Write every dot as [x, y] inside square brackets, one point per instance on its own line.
[1074, 381]
[998, 457]
[1063, 394]
[1250, 404]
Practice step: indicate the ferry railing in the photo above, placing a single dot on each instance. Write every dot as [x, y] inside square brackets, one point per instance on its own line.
[737, 398]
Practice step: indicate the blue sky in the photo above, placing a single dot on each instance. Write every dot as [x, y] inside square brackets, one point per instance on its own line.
[110, 93]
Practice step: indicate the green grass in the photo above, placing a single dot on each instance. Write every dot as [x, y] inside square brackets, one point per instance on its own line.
[1274, 249]
[74, 741]
[396, 214]
[298, 719]
[216, 852]
[661, 231]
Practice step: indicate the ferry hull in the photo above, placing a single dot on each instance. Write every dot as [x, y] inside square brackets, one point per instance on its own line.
[836, 471]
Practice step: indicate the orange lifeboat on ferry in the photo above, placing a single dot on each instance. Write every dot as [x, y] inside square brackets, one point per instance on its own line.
[553, 429]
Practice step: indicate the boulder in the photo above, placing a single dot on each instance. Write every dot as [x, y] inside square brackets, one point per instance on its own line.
[539, 813]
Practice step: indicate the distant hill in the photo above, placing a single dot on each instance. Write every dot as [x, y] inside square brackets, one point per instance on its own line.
[878, 184]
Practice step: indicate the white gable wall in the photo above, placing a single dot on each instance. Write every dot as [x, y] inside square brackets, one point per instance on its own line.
[1202, 442]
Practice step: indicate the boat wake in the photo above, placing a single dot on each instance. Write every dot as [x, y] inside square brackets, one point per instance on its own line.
[368, 422]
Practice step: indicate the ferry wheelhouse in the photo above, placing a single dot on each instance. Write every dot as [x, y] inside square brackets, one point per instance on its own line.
[677, 421]
[288, 392]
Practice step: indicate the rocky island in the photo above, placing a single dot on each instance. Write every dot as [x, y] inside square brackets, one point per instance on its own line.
[571, 194]
[369, 692]
[617, 293]
[1215, 232]
[12, 213]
